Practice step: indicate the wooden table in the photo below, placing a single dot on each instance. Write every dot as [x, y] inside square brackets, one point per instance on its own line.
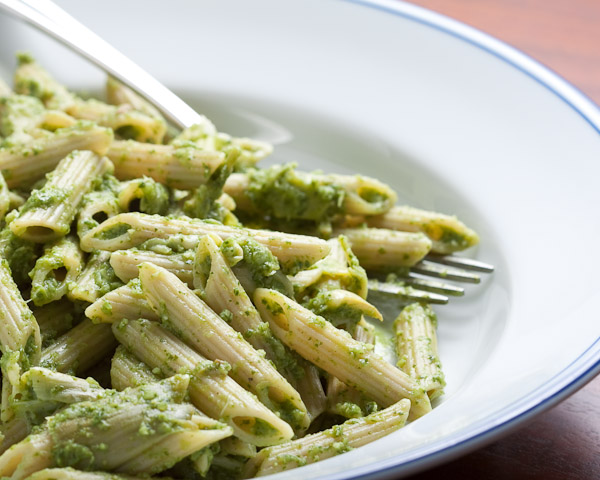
[564, 442]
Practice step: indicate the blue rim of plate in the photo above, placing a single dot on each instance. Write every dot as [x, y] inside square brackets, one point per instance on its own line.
[587, 365]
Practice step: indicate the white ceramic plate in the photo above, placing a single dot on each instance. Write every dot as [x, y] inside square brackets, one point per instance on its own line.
[455, 121]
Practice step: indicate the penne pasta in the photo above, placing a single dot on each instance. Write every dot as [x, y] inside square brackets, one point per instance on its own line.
[23, 165]
[333, 350]
[127, 371]
[49, 211]
[126, 262]
[328, 443]
[128, 230]
[143, 195]
[20, 340]
[281, 192]
[211, 390]
[183, 167]
[54, 319]
[55, 270]
[126, 121]
[416, 345]
[223, 292]
[126, 302]
[95, 280]
[196, 324]
[119, 431]
[447, 233]
[381, 249]
[96, 207]
[79, 349]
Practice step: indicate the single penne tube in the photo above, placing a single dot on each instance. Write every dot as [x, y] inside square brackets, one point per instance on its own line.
[96, 207]
[126, 262]
[128, 230]
[80, 348]
[49, 211]
[20, 340]
[95, 280]
[127, 371]
[122, 427]
[125, 120]
[337, 440]
[184, 167]
[378, 248]
[211, 389]
[126, 302]
[19, 330]
[416, 346]
[447, 233]
[213, 337]
[282, 192]
[143, 195]
[23, 165]
[336, 352]
[55, 270]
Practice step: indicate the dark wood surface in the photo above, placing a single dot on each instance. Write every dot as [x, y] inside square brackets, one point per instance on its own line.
[564, 442]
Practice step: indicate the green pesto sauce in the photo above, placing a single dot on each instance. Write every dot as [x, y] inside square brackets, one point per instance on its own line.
[113, 232]
[20, 255]
[161, 415]
[281, 192]
[342, 315]
[454, 239]
[349, 410]
[203, 202]
[258, 265]
[18, 111]
[283, 358]
[71, 454]
[128, 132]
[155, 197]
[105, 279]
[45, 292]
[45, 198]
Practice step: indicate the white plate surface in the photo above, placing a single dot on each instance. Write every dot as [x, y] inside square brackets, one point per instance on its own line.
[455, 121]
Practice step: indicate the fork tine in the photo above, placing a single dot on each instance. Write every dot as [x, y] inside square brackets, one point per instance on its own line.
[407, 292]
[444, 271]
[461, 262]
[444, 288]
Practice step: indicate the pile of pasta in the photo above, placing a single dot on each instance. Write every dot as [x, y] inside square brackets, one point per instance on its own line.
[168, 307]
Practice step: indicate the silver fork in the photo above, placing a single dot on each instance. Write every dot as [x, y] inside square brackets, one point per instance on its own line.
[50, 18]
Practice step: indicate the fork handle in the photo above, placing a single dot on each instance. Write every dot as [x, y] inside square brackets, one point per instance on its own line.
[50, 18]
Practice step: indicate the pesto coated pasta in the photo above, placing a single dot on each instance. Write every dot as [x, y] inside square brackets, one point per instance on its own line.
[168, 307]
